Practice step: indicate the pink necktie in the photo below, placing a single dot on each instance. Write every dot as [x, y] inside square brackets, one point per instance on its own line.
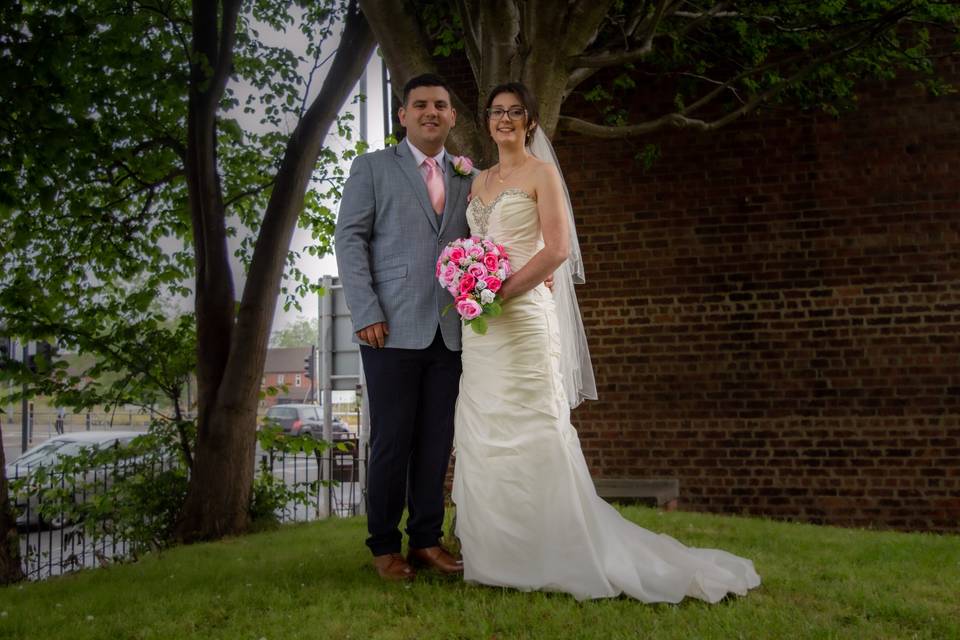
[434, 185]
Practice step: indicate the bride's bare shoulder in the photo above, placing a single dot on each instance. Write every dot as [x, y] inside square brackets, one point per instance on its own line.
[539, 164]
[544, 172]
[478, 181]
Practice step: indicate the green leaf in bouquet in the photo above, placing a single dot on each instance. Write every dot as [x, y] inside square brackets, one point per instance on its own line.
[479, 325]
[446, 309]
[493, 309]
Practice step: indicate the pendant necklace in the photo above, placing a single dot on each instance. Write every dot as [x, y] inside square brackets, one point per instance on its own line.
[500, 177]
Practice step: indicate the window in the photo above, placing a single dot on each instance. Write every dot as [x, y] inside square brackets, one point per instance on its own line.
[296, 380]
[279, 378]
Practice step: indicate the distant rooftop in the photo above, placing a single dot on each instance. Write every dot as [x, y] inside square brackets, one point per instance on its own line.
[286, 360]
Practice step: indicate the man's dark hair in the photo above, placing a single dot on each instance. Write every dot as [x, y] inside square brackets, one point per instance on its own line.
[423, 80]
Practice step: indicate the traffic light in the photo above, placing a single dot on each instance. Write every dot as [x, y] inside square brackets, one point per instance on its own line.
[43, 359]
[6, 349]
[308, 362]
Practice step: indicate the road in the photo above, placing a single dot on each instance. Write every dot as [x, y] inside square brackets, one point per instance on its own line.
[12, 435]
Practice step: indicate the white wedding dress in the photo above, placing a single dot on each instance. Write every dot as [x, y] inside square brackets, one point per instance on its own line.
[528, 515]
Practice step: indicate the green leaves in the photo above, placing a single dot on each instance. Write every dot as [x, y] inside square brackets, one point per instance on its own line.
[97, 248]
[478, 324]
[717, 58]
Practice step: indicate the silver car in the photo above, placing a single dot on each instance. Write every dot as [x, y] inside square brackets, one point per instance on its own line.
[305, 419]
[48, 454]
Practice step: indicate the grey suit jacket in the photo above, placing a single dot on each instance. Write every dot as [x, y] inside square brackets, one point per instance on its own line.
[387, 243]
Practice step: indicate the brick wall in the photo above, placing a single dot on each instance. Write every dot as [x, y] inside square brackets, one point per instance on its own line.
[774, 312]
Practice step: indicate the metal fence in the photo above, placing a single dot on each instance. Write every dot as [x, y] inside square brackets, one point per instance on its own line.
[52, 546]
[45, 424]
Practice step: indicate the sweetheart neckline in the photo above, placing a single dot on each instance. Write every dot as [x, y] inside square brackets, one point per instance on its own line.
[510, 190]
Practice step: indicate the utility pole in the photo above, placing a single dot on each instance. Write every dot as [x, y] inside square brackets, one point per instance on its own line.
[325, 386]
[25, 405]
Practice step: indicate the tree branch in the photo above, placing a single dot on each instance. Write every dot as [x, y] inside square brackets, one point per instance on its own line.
[639, 14]
[611, 58]
[501, 26]
[144, 186]
[175, 24]
[716, 11]
[470, 18]
[681, 121]
[228, 38]
[647, 29]
[252, 191]
[255, 314]
[407, 54]
[583, 24]
[585, 65]
[317, 63]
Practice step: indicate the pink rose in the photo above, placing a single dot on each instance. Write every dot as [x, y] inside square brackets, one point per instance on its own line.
[490, 262]
[475, 252]
[463, 165]
[456, 254]
[460, 297]
[467, 282]
[469, 309]
[449, 274]
[493, 283]
[477, 270]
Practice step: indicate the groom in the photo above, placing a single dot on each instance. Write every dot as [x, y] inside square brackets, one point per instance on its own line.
[400, 208]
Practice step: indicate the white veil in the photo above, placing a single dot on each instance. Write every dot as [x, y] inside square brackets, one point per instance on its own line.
[575, 365]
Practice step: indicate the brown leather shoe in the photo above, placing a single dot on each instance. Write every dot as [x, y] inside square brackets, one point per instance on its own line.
[436, 558]
[392, 566]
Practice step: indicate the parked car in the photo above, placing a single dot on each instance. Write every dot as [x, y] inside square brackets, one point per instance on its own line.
[47, 454]
[305, 419]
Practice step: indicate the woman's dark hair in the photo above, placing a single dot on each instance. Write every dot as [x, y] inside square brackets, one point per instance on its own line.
[527, 99]
[423, 80]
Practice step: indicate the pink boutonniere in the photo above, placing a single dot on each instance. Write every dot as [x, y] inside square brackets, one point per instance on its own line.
[462, 165]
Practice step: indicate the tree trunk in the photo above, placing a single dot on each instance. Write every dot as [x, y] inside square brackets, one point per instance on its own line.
[206, 515]
[218, 497]
[10, 569]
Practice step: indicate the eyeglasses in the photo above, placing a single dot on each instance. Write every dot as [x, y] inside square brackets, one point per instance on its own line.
[514, 113]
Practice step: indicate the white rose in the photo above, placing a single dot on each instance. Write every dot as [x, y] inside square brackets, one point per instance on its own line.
[481, 284]
[486, 296]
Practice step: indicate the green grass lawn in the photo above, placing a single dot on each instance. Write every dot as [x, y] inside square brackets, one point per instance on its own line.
[315, 581]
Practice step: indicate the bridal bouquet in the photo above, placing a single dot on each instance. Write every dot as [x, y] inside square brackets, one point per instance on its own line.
[472, 270]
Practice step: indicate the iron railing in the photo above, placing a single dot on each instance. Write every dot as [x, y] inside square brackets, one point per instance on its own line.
[51, 545]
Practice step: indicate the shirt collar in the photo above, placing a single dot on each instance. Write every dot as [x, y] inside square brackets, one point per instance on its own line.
[420, 156]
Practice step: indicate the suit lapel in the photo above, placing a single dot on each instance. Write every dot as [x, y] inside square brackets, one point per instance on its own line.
[408, 164]
[455, 183]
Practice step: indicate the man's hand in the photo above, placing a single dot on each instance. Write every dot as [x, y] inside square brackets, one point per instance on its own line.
[374, 335]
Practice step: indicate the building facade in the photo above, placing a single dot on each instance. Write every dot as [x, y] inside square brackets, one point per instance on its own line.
[286, 367]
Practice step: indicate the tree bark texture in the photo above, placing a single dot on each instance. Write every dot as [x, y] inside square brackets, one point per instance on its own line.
[10, 569]
[505, 40]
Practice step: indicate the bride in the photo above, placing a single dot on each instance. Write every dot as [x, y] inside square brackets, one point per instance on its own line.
[528, 516]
